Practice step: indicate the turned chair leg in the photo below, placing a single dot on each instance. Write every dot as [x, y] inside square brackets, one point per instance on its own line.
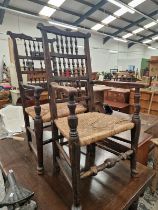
[56, 168]
[134, 145]
[75, 167]
[38, 127]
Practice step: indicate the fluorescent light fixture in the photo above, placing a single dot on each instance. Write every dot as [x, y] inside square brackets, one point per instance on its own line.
[47, 11]
[127, 35]
[56, 3]
[63, 25]
[149, 25]
[113, 51]
[155, 38]
[121, 6]
[135, 3]
[152, 48]
[108, 19]
[120, 12]
[97, 27]
[147, 41]
[120, 40]
[138, 30]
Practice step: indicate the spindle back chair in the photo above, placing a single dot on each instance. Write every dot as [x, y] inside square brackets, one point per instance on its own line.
[89, 129]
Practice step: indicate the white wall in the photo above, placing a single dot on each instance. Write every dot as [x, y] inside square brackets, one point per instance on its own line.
[102, 59]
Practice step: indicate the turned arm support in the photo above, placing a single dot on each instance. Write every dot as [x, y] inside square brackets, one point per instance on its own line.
[37, 92]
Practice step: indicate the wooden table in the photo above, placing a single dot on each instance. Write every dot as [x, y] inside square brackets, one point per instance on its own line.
[146, 134]
[112, 189]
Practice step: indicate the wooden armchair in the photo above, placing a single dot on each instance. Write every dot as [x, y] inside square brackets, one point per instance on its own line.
[89, 129]
[32, 80]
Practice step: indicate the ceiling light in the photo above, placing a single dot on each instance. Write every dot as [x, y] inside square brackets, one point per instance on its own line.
[150, 25]
[56, 3]
[121, 6]
[63, 25]
[152, 48]
[147, 41]
[138, 30]
[47, 11]
[113, 51]
[120, 12]
[120, 40]
[127, 35]
[155, 38]
[97, 27]
[135, 3]
[108, 20]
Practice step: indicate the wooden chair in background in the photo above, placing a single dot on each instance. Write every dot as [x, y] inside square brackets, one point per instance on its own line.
[32, 80]
[87, 129]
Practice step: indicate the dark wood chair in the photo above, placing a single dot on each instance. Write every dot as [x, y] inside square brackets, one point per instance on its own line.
[32, 80]
[87, 129]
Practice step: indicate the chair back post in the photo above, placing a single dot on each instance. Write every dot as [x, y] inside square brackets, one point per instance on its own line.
[89, 70]
[17, 66]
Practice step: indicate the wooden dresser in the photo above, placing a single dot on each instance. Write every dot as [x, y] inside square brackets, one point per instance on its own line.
[118, 99]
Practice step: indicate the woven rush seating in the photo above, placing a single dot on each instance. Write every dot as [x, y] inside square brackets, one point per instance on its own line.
[62, 110]
[94, 126]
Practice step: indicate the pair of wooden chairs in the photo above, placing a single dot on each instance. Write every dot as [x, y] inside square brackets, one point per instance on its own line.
[75, 129]
[89, 129]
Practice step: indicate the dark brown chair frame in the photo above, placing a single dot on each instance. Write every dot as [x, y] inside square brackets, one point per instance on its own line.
[73, 142]
[30, 93]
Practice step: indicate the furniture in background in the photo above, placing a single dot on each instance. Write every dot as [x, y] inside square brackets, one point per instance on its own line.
[112, 190]
[87, 129]
[153, 66]
[118, 99]
[155, 165]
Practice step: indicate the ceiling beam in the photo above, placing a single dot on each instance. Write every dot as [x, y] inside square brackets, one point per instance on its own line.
[130, 25]
[91, 11]
[130, 44]
[110, 13]
[77, 14]
[138, 11]
[2, 11]
[36, 15]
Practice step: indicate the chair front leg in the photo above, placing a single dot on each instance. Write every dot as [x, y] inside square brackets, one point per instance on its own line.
[38, 128]
[135, 132]
[74, 151]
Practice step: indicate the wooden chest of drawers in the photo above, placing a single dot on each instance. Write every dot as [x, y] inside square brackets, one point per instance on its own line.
[118, 99]
[117, 95]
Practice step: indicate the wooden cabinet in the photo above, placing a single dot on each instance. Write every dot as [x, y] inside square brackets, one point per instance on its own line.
[118, 99]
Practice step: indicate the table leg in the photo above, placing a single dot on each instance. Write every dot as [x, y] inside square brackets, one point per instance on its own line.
[155, 167]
